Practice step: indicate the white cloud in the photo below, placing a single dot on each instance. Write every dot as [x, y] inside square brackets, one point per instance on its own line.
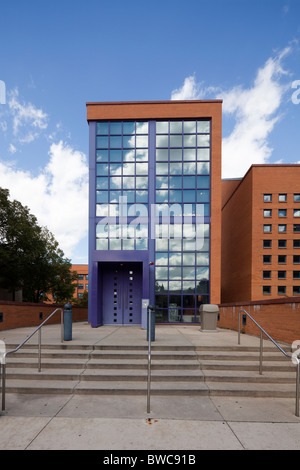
[58, 196]
[12, 149]
[26, 116]
[256, 111]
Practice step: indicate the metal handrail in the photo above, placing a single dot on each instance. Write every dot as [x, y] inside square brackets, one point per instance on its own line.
[262, 331]
[38, 329]
[149, 308]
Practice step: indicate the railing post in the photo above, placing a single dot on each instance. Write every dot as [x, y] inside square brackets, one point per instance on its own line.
[39, 352]
[260, 352]
[149, 358]
[297, 388]
[3, 385]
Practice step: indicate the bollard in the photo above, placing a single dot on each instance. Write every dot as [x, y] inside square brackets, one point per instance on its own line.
[67, 322]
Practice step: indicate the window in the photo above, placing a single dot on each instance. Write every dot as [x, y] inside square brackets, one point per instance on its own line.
[281, 259]
[267, 243]
[267, 212]
[296, 212]
[266, 290]
[296, 243]
[296, 274]
[296, 259]
[267, 228]
[266, 274]
[281, 212]
[296, 290]
[281, 243]
[267, 197]
[281, 274]
[281, 290]
[297, 197]
[282, 197]
[296, 228]
[267, 259]
[281, 228]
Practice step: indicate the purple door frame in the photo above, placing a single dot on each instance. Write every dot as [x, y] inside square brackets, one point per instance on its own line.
[96, 278]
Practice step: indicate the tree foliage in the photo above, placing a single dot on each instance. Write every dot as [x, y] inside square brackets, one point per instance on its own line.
[30, 257]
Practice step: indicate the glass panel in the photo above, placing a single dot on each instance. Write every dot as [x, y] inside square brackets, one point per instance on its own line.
[141, 182]
[162, 127]
[142, 141]
[175, 127]
[162, 196]
[161, 182]
[202, 287]
[175, 182]
[189, 141]
[129, 142]
[175, 154]
[142, 127]
[128, 244]
[115, 183]
[189, 168]
[189, 195]
[175, 168]
[115, 244]
[102, 183]
[175, 140]
[128, 168]
[188, 273]
[142, 155]
[141, 244]
[202, 273]
[175, 286]
[142, 196]
[115, 156]
[114, 196]
[129, 195]
[175, 259]
[203, 259]
[129, 155]
[203, 154]
[116, 142]
[101, 244]
[141, 168]
[161, 259]
[162, 168]
[188, 287]
[203, 168]
[161, 273]
[188, 259]
[203, 140]
[161, 300]
[162, 141]
[115, 128]
[202, 244]
[202, 195]
[128, 127]
[102, 196]
[203, 181]
[128, 182]
[189, 154]
[102, 230]
[102, 142]
[102, 169]
[102, 210]
[175, 196]
[175, 245]
[102, 155]
[161, 287]
[114, 210]
[174, 273]
[115, 169]
[102, 128]
[189, 127]
[161, 245]
[162, 155]
[203, 126]
[189, 182]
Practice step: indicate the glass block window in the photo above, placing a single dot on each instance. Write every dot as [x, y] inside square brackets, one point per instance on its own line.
[182, 246]
[121, 184]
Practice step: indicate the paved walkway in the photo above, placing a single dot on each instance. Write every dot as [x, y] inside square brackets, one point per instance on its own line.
[111, 423]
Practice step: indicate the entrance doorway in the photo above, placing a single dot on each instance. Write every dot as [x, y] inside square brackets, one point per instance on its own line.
[122, 293]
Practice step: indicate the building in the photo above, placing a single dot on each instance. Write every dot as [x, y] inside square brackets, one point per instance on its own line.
[154, 210]
[82, 282]
[261, 234]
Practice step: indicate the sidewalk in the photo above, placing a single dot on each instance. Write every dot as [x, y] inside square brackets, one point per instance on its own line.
[54, 422]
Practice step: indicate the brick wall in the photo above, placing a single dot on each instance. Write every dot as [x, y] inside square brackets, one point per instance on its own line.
[23, 314]
[280, 318]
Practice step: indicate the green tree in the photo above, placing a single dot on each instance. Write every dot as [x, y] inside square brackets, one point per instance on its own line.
[30, 257]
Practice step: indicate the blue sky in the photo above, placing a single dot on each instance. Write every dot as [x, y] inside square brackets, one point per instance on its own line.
[56, 56]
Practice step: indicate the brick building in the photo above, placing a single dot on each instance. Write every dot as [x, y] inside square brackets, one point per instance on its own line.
[261, 234]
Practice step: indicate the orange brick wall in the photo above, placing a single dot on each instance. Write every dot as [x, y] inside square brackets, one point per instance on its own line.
[21, 315]
[279, 318]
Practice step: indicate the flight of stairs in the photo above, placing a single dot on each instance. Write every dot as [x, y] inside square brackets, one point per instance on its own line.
[175, 370]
